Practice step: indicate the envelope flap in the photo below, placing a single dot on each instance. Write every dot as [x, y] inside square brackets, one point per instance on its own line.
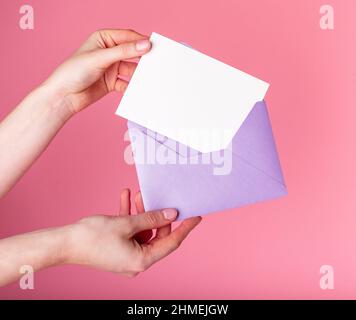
[189, 97]
[254, 143]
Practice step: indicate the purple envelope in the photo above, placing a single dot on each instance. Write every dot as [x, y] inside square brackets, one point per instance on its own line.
[246, 172]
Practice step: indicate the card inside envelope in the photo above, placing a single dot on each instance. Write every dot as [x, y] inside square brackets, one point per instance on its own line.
[176, 90]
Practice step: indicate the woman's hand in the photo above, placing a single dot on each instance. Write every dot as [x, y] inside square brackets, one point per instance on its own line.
[123, 243]
[93, 71]
[98, 67]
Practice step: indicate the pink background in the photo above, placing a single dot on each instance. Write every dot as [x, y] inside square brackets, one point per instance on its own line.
[269, 250]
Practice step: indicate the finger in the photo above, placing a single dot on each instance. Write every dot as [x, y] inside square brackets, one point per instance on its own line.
[143, 236]
[139, 203]
[152, 220]
[163, 232]
[126, 69]
[121, 85]
[116, 36]
[107, 38]
[125, 205]
[162, 247]
[104, 58]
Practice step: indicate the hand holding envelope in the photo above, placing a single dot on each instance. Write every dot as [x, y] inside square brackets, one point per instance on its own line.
[179, 117]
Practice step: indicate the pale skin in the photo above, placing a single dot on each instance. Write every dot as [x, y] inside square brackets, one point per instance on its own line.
[122, 243]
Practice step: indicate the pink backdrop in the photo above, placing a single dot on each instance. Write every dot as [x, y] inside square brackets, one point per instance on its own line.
[269, 250]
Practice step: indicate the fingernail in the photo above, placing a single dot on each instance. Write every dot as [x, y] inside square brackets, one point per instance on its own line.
[142, 45]
[170, 214]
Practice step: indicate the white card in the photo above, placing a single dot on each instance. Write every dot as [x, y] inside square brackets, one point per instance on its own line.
[188, 96]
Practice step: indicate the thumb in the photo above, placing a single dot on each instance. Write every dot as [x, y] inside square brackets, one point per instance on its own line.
[152, 220]
[104, 58]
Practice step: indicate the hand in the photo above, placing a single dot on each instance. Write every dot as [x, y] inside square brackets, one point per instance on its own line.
[123, 243]
[98, 67]
[93, 71]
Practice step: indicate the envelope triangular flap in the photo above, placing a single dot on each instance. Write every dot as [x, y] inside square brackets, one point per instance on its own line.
[254, 143]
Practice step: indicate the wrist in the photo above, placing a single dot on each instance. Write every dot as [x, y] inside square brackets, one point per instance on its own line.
[56, 101]
[66, 247]
[43, 248]
[72, 251]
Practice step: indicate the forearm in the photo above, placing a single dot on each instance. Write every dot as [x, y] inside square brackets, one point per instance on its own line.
[26, 132]
[40, 249]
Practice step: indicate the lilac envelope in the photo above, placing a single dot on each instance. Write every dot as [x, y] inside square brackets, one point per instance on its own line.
[192, 187]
